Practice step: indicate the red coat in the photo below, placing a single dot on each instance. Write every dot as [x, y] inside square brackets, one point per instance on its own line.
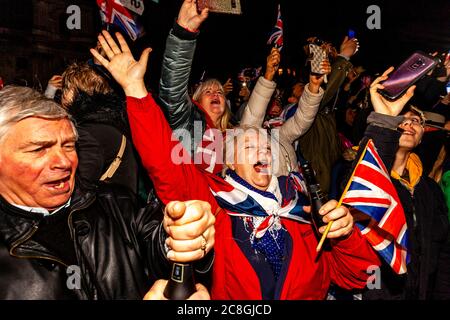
[233, 276]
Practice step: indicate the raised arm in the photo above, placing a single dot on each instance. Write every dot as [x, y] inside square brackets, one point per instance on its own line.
[307, 109]
[176, 66]
[152, 137]
[259, 99]
[340, 68]
[383, 122]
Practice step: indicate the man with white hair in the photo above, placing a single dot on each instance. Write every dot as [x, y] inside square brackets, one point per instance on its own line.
[58, 241]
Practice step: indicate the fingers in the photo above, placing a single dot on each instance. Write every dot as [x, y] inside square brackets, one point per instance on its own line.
[190, 230]
[204, 14]
[112, 44]
[109, 53]
[185, 212]
[175, 209]
[183, 257]
[389, 70]
[156, 291]
[188, 245]
[342, 222]
[403, 100]
[100, 58]
[383, 77]
[327, 207]
[336, 214]
[123, 44]
[201, 294]
[144, 56]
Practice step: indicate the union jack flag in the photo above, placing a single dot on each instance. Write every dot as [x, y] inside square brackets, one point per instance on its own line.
[113, 12]
[370, 190]
[276, 38]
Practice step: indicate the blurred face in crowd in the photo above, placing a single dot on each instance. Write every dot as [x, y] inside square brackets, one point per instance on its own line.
[38, 162]
[212, 99]
[253, 159]
[297, 91]
[350, 115]
[413, 129]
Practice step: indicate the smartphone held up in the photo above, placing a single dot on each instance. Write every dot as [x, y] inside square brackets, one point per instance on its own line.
[220, 6]
[407, 74]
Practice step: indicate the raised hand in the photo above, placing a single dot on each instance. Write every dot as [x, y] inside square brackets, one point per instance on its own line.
[273, 62]
[188, 16]
[342, 219]
[381, 104]
[190, 226]
[349, 47]
[128, 72]
[316, 80]
[228, 87]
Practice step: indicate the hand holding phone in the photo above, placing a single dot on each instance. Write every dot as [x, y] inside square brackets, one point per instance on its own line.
[387, 106]
[407, 74]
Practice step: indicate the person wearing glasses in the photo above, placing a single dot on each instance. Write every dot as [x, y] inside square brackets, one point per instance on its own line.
[397, 129]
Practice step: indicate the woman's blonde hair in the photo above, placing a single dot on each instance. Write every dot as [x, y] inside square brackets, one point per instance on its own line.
[223, 122]
[79, 76]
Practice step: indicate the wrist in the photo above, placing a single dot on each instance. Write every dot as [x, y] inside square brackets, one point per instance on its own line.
[345, 56]
[313, 87]
[136, 90]
[269, 75]
[186, 26]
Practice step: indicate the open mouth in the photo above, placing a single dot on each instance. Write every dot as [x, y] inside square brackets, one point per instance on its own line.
[408, 133]
[215, 101]
[261, 167]
[60, 184]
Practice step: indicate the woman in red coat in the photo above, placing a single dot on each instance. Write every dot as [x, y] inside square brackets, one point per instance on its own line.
[265, 245]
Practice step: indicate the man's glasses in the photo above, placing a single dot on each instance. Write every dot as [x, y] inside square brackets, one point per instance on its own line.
[416, 121]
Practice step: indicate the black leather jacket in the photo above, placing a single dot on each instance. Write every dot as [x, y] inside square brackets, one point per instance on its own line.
[119, 249]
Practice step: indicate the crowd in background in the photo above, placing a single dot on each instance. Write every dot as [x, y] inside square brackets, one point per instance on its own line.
[318, 117]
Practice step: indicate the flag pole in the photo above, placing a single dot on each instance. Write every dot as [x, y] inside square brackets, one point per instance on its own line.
[324, 235]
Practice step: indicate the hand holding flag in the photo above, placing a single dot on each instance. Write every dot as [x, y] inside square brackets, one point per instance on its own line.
[276, 38]
[370, 190]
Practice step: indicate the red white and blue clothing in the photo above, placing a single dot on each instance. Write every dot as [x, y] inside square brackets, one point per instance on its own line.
[285, 264]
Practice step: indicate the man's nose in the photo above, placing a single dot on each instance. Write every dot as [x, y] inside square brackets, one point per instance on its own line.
[60, 159]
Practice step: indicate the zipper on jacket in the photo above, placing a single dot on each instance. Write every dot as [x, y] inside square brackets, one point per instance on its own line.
[92, 295]
[26, 238]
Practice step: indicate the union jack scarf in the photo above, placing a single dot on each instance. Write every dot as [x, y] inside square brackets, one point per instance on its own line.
[284, 199]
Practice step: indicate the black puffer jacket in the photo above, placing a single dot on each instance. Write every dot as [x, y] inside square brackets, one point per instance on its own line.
[178, 108]
[118, 249]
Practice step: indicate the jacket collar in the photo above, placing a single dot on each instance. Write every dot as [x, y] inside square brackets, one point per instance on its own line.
[17, 225]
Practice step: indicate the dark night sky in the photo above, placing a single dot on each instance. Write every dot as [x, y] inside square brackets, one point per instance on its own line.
[227, 43]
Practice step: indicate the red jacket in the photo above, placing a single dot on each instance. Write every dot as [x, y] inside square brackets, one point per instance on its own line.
[233, 276]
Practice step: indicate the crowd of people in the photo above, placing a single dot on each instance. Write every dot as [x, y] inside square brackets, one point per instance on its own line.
[102, 174]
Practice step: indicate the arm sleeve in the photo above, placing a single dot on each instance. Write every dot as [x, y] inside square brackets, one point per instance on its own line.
[175, 71]
[339, 71]
[304, 116]
[350, 260]
[168, 164]
[255, 110]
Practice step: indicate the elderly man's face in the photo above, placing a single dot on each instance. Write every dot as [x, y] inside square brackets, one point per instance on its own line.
[38, 162]
[253, 159]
